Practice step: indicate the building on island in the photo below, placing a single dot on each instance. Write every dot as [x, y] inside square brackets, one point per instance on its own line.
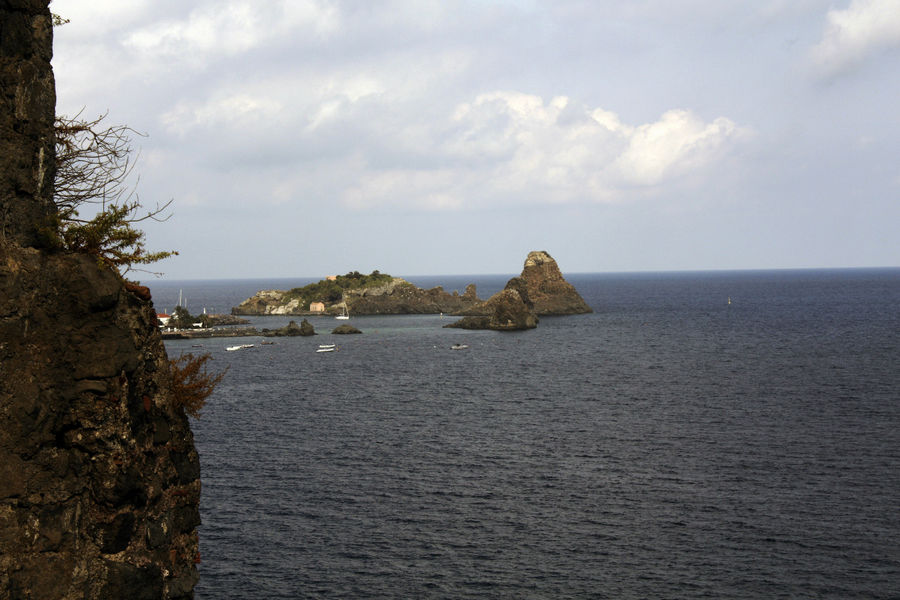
[316, 307]
[163, 319]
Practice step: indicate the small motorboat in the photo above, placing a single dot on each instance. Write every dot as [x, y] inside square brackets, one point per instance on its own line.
[327, 348]
[233, 348]
[459, 346]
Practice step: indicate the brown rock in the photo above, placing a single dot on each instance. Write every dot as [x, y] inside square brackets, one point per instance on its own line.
[548, 290]
[510, 309]
[82, 481]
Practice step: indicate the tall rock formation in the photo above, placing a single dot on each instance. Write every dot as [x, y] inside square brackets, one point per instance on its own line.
[548, 290]
[99, 477]
[539, 291]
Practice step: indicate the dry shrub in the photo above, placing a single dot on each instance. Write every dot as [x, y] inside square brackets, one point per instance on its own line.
[192, 383]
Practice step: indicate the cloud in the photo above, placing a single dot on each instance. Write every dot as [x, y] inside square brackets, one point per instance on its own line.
[510, 148]
[853, 35]
[379, 109]
[230, 28]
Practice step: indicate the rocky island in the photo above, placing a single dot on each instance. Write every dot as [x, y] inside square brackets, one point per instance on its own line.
[373, 294]
[540, 290]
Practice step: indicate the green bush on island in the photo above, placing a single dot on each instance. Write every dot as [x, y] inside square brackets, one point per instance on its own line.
[331, 291]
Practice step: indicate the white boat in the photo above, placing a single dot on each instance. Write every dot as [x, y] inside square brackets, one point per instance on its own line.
[459, 346]
[326, 345]
[240, 347]
[343, 316]
[326, 349]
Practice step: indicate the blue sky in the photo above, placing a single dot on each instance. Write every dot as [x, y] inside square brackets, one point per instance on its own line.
[308, 137]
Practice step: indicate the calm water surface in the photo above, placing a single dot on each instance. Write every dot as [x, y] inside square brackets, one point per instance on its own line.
[670, 445]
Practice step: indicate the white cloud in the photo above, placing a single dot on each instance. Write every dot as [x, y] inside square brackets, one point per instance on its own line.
[512, 147]
[229, 28]
[863, 29]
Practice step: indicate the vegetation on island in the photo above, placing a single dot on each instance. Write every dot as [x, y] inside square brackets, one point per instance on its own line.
[331, 291]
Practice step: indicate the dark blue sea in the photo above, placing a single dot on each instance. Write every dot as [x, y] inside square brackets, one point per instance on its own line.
[672, 444]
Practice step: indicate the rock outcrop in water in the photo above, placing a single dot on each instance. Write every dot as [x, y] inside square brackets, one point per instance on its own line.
[510, 309]
[345, 329]
[99, 477]
[548, 290]
[540, 290]
[305, 328]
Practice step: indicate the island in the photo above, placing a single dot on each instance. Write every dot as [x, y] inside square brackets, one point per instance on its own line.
[354, 293]
[540, 290]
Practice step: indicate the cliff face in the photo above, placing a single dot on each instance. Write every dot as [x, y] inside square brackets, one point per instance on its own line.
[28, 101]
[510, 309]
[548, 290]
[540, 290]
[99, 477]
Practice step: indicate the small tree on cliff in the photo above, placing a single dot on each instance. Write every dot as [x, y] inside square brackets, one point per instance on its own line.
[93, 168]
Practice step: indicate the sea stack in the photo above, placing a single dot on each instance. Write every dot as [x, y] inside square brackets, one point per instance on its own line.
[540, 290]
[548, 290]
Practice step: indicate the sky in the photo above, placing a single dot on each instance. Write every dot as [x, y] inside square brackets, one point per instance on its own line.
[300, 138]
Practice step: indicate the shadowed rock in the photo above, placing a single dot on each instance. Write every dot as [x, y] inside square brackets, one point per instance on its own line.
[99, 476]
[305, 328]
[510, 309]
[345, 329]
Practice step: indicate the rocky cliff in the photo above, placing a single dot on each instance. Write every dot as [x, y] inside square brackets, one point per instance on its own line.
[539, 291]
[394, 298]
[99, 477]
[548, 290]
[510, 309]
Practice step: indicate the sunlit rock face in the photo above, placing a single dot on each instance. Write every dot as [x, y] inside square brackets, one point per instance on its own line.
[548, 290]
[99, 476]
[539, 291]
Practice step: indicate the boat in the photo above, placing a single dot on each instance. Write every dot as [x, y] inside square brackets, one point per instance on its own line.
[459, 346]
[240, 347]
[343, 316]
[326, 345]
[327, 348]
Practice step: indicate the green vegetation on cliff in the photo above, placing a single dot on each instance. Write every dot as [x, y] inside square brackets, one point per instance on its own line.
[330, 291]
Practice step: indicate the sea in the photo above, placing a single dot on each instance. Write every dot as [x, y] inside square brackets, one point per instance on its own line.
[699, 435]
